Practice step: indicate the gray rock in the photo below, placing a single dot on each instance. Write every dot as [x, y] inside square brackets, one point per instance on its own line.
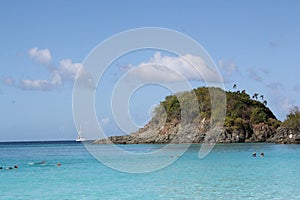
[158, 131]
[285, 135]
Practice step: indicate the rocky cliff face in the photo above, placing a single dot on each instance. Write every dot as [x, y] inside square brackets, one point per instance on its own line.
[246, 120]
[173, 132]
[285, 135]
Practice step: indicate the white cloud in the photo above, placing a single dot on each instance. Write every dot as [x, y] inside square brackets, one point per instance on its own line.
[172, 69]
[42, 56]
[64, 72]
[42, 84]
[68, 70]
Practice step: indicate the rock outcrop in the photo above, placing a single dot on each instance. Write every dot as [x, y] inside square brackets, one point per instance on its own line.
[285, 135]
[246, 120]
[174, 133]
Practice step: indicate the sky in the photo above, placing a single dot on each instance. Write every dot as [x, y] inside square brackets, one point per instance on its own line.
[254, 44]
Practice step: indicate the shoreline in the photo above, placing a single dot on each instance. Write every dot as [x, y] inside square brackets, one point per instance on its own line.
[111, 143]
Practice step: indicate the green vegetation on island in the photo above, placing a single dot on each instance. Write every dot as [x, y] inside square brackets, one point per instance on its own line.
[241, 109]
[292, 120]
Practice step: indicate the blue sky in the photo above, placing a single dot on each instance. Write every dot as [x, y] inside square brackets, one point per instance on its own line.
[255, 44]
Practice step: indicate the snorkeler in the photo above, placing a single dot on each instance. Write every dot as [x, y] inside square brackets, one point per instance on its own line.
[262, 154]
[14, 167]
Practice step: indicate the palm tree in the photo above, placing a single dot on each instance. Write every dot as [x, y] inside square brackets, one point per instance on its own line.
[234, 86]
[255, 96]
[262, 97]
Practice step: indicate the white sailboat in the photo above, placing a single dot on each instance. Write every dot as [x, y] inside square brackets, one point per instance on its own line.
[79, 137]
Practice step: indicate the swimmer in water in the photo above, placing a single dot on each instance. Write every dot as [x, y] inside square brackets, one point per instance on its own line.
[254, 154]
[14, 167]
[262, 154]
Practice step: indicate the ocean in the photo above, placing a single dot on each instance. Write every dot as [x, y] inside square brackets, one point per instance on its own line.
[228, 172]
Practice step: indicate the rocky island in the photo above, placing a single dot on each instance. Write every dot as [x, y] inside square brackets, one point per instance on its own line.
[247, 119]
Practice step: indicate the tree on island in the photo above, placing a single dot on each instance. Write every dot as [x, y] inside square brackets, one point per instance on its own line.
[262, 97]
[255, 96]
[265, 102]
[234, 86]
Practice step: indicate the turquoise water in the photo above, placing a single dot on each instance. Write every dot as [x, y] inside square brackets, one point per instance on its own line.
[228, 172]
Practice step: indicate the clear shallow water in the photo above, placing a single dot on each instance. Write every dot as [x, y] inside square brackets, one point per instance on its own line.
[228, 172]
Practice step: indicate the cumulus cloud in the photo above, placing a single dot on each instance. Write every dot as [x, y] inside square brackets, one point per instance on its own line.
[70, 71]
[42, 56]
[42, 84]
[172, 69]
[66, 71]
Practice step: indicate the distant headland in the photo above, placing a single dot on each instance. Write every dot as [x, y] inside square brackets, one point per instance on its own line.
[247, 119]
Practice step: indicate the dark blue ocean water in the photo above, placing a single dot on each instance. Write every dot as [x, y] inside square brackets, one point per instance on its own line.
[228, 172]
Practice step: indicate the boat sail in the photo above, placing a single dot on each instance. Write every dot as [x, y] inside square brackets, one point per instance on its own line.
[79, 137]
